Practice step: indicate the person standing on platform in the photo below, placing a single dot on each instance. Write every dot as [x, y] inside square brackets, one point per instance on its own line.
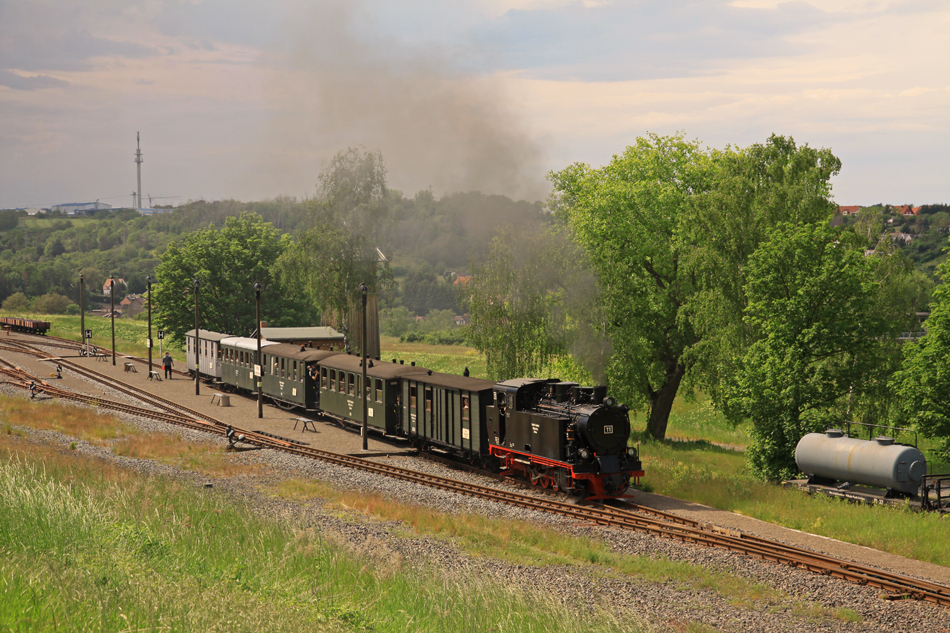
[167, 364]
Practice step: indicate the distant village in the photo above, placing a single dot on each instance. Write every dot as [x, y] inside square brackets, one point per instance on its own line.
[75, 209]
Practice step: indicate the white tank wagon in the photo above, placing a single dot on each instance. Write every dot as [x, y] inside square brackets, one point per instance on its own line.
[878, 470]
[880, 462]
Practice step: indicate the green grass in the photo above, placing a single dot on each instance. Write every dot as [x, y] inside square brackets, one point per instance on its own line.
[86, 546]
[697, 419]
[449, 359]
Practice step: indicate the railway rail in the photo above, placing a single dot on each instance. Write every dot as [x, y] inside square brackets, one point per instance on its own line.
[630, 517]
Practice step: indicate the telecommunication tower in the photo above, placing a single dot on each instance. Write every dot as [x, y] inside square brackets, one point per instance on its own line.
[138, 168]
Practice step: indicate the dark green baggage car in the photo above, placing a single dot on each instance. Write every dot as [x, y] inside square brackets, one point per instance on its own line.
[447, 411]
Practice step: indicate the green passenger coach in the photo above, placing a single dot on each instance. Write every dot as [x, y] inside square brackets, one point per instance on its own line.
[341, 380]
[238, 358]
[290, 373]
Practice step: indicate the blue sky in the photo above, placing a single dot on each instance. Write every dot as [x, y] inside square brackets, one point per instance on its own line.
[249, 100]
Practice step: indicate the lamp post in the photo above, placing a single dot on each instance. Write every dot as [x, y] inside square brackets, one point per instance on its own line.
[82, 312]
[197, 340]
[148, 284]
[112, 314]
[363, 291]
[259, 370]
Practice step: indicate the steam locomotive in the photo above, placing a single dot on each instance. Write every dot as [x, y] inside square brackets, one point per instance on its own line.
[557, 435]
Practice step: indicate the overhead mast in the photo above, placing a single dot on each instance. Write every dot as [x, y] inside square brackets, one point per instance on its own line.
[138, 168]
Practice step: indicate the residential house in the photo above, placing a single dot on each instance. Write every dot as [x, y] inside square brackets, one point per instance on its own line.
[132, 305]
[107, 285]
[852, 210]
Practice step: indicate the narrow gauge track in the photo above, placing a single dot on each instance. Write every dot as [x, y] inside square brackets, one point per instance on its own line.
[635, 517]
[69, 344]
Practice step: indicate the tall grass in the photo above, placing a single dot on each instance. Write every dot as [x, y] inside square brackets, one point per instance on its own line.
[87, 547]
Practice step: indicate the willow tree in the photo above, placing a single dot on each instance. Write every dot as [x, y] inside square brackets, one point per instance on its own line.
[527, 297]
[336, 251]
[826, 338]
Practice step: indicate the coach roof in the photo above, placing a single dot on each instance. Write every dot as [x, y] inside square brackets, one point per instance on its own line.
[286, 350]
[378, 369]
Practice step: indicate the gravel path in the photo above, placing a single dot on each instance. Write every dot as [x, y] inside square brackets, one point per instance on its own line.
[805, 602]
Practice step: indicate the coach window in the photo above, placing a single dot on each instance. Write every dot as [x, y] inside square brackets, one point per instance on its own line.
[466, 410]
[323, 377]
[412, 396]
[379, 390]
[294, 377]
[351, 385]
[283, 367]
[428, 399]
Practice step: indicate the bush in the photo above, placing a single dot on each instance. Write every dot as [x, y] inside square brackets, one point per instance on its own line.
[51, 303]
[72, 309]
[17, 302]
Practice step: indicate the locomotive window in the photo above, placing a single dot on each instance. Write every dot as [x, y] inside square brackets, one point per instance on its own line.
[466, 410]
[412, 396]
[428, 394]
[351, 386]
[323, 377]
[379, 390]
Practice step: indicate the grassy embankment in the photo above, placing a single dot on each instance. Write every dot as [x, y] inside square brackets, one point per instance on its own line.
[692, 466]
[88, 545]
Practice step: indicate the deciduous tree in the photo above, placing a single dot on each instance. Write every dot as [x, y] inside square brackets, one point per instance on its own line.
[821, 340]
[923, 382]
[227, 262]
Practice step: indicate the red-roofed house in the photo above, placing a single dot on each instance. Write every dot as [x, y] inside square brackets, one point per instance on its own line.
[906, 209]
[849, 210]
